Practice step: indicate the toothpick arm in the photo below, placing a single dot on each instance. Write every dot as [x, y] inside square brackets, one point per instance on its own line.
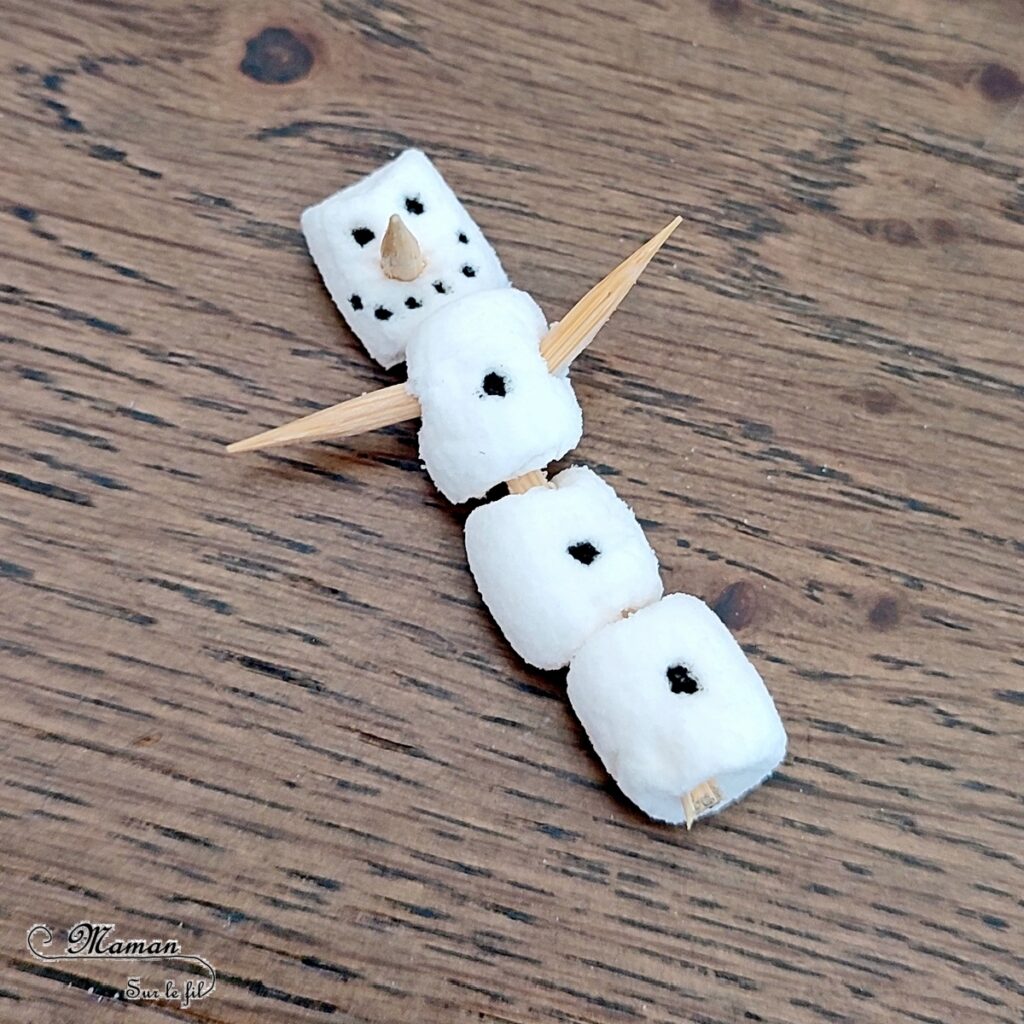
[564, 342]
[371, 411]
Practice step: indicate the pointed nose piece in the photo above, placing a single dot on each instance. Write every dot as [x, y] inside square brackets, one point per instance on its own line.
[400, 255]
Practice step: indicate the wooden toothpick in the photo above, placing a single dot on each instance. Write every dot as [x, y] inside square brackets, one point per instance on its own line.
[560, 346]
[700, 799]
[371, 411]
[400, 255]
[566, 340]
[524, 483]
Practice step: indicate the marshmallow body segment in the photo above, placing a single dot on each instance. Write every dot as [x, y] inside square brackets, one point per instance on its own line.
[344, 234]
[490, 409]
[557, 563]
[669, 701]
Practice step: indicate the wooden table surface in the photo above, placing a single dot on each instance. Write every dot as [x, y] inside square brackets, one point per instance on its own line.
[255, 705]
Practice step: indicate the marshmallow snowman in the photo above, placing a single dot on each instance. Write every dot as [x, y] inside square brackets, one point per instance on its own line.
[670, 701]
[490, 408]
[445, 254]
[673, 708]
[556, 563]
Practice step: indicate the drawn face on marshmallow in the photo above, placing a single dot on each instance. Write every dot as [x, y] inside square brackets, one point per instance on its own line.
[344, 234]
[490, 409]
[557, 563]
[670, 701]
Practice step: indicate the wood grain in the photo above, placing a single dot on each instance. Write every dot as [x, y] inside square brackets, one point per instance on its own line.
[256, 705]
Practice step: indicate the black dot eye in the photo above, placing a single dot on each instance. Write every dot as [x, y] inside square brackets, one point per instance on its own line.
[356, 302]
[495, 384]
[584, 552]
[440, 287]
[463, 238]
[412, 303]
[680, 680]
[414, 205]
[468, 271]
[381, 313]
[362, 236]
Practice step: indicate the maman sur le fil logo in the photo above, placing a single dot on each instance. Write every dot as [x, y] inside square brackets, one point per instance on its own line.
[165, 973]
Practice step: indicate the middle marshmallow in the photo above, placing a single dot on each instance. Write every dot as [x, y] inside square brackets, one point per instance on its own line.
[556, 564]
[491, 410]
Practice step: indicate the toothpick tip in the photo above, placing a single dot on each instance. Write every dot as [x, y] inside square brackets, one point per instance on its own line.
[371, 411]
[577, 329]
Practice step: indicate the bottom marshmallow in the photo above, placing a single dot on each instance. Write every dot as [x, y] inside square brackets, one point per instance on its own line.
[670, 701]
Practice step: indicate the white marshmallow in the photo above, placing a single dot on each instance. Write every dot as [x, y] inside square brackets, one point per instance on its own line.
[344, 233]
[557, 563]
[658, 744]
[490, 409]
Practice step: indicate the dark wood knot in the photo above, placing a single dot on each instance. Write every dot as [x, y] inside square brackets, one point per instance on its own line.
[1000, 84]
[276, 56]
[736, 604]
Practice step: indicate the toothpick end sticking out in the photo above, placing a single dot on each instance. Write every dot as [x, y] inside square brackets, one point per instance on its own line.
[700, 799]
[689, 811]
[371, 411]
[567, 339]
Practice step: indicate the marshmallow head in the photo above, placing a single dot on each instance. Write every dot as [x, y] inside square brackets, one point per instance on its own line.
[344, 234]
[557, 563]
[669, 701]
[490, 409]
